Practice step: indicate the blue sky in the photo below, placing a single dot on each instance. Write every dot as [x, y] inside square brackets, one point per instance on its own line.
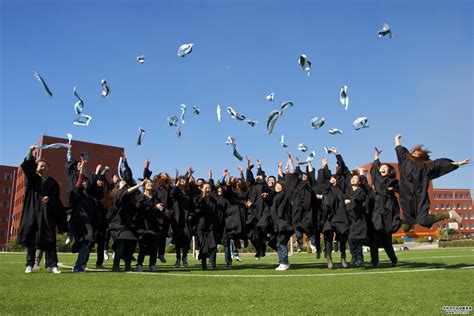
[418, 83]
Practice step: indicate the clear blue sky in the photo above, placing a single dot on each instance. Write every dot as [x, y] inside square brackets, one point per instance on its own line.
[418, 83]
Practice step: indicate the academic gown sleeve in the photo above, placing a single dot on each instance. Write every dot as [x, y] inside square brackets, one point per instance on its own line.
[440, 167]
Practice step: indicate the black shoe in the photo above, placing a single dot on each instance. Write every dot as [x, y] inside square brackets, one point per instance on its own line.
[374, 264]
[133, 258]
[204, 266]
[318, 255]
[162, 259]
[99, 266]
[394, 263]
[358, 263]
[229, 264]
[128, 269]
[116, 269]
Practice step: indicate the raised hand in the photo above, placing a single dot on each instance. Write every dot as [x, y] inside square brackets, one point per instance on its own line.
[324, 162]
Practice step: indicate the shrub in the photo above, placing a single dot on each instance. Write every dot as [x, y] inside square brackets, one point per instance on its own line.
[455, 243]
[398, 241]
[13, 246]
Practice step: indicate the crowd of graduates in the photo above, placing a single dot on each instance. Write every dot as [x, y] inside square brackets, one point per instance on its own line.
[263, 209]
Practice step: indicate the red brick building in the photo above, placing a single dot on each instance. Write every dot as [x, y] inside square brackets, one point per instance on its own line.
[94, 154]
[7, 193]
[442, 200]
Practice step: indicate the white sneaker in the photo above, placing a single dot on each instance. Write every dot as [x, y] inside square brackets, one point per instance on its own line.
[68, 240]
[238, 258]
[278, 268]
[28, 269]
[454, 215]
[55, 270]
[284, 267]
[106, 255]
[36, 267]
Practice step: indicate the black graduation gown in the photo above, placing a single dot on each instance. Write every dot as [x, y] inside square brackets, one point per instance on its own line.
[148, 221]
[219, 229]
[303, 201]
[205, 215]
[39, 220]
[181, 227]
[254, 213]
[414, 182]
[235, 217]
[334, 216]
[164, 195]
[121, 217]
[100, 218]
[356, 212]
[71, 178]
[280, 211]
[386, 210]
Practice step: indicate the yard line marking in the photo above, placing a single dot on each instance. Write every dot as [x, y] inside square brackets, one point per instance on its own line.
[400, 260]
[284, 275]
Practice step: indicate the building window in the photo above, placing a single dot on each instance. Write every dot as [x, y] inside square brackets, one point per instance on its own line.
[439, 226]
[440, 195]
[446, 195]
[470, 207]
[5, 204]
[434, 195]
[436, 206]
[462, 196]
[444, 226]
[451, 196]
[464, 206]
[7, 176]
[442, 206]
[472, 226]
[459, 206]
[448, 206]
[7, 190]
[455, 195]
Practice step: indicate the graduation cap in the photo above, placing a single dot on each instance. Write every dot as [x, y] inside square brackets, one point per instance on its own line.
[79, 105]
[105, 88]
[251, 122]
[284, 106]
[282, 141]
[45, 86]
[317, 122]
[178, 131]
[141, 135]
[182, 107]
[329, 150]
[172, 120]
[385, 31]
[231, 141]
[185, 49]
[270, 97]
[271, 120]
[305, 64]
[69, 137]
[196, 110]
[82, 120]
[334, 131]
[218, 112]
[302, 147]
[141, 59]
[309, 158]
[234, 114]
[360, 122]
[344, 98]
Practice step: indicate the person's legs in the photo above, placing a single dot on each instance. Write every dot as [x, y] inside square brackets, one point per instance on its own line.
[387, 245]
[282, 248]
[53, 257]
[38, 257]
[81, 258]
[30, 257]
[299, 239]
[141, 254]
[227, 253]
[118, 248]
[129, 249]
[328, 242]
[213, 257]
[100, 247]
[342, 245]
[153, 254]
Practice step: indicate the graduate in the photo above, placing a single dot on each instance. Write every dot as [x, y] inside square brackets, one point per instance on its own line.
[42, 212]
[281, 216]
[257, 193]
[180, 220]
[385, 211]
[150, 214]
[334, 218]
[162, 184]
[355, 201]
[416, 171]
[122, 224]
[205, 216]
[72, 173]
[82, 222]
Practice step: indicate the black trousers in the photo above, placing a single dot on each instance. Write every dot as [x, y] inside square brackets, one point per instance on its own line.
[101, 238]
[356, 250]
[328, 241]
[123, 248]
[385, 239]
[152, 249]
[161, 245]
[51, 257]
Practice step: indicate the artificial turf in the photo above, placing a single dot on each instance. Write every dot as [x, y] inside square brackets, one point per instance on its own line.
[423, 282]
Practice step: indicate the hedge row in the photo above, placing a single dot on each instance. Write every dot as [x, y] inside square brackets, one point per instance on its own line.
[456, 243]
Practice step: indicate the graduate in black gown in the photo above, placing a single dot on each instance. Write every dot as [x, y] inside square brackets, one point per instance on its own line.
[162, 185]
[43, 212]
[416, 172]
[258, 191]
[334, 218]
[82, 222]
[205, 216]
[385, 213]
[149, 216]
[122, 224]
[180, 221]
[280, 211]
[355, 201]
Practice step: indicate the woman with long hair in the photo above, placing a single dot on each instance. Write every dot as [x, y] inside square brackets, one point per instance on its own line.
[416, 171]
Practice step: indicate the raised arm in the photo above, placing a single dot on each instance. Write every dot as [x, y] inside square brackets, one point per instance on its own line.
[402, 152]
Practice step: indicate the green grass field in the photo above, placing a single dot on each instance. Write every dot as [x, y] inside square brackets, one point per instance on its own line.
[424, 282]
